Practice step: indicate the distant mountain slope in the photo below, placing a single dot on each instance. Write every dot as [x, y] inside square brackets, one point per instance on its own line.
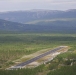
[40, 22]
[10, 26]
[31, 15]
[57, 26]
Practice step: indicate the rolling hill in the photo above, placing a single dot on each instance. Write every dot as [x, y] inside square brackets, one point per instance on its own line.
[51, 26]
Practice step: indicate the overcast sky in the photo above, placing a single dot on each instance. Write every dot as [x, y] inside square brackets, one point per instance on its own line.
[14, 5]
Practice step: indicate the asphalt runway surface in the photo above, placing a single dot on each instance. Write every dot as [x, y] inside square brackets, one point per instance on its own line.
[36, 58]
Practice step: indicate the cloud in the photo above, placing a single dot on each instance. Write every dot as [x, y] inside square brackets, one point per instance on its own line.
[61, 1]
[41, 1]
[36, 4]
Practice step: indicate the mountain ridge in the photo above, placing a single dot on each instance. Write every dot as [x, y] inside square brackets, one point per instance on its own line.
[31, 15]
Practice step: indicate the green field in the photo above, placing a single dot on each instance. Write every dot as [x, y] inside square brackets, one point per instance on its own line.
[14, 46]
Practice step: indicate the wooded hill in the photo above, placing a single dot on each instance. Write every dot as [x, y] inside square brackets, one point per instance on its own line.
[59, 26]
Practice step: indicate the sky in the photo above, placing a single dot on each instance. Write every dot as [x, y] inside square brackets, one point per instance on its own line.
[16, 5]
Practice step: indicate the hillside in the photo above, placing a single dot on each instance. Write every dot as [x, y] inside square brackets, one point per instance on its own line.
[31, 15]
[53, 21]
[59, 26]
[10, 26]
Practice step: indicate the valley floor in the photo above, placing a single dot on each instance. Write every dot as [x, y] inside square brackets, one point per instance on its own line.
[16, 48]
